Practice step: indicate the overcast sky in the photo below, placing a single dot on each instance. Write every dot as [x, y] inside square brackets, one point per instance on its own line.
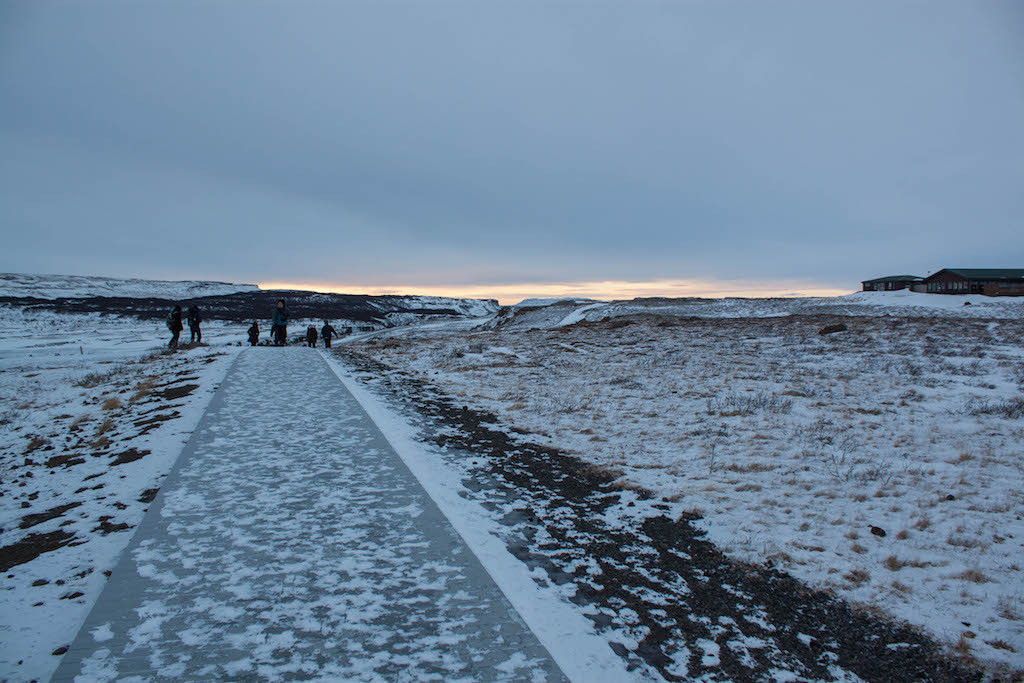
[524, 147]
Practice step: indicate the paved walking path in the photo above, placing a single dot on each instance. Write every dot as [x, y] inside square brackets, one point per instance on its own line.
[291, 542]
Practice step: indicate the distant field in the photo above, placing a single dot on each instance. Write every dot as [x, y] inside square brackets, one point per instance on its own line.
[883, 462]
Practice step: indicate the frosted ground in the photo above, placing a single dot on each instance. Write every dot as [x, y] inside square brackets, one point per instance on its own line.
[797, 450]
[92, 416]
[789, 445]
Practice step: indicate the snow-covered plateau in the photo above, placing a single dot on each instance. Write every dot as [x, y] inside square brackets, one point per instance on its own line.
[17, 285]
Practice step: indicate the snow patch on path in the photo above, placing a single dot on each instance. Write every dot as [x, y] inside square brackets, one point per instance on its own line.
[569, 636]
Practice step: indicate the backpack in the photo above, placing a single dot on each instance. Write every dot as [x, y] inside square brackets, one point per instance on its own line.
[170, 321]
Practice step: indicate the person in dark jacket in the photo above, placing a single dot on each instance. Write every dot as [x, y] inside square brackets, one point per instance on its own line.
[280, 324]
[194, 321]
[175, 326]
[254, 333]
[327, 332]
[311, 336]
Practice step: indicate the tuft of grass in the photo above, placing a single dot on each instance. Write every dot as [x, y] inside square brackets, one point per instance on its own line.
[112, 403]
[142, 390]
[857, 577]
[966, 542]
[35, 443]
[974, 576]
[894, 564]
[923, 522]
[858, 548]
[751, 467]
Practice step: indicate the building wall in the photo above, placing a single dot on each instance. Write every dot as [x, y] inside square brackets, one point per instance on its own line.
[1004, 289]
[950, 283]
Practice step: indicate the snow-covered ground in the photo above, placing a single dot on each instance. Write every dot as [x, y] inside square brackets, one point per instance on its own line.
[548, 314]
[92, 416]
[78, 286]
[884, 463]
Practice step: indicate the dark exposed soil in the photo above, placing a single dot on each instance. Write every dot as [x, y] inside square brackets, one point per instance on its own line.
[660, 580]
[68, 460]
[130, 455]
[106, 527]
[31, 547]
[175, 392]
[29, 521]
[242, 306]
[151, 423]
[148, 495]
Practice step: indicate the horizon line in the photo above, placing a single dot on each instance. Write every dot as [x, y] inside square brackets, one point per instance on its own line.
[599, 290]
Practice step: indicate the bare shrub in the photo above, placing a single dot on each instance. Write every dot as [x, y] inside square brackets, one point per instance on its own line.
[1010, 409]
[570, 403]
[94, 379]
[747, 404]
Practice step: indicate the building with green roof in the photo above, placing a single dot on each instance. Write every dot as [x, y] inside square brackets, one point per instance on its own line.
[991, 281]
[891, 283]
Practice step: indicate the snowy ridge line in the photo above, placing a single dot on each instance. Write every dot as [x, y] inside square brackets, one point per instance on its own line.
[16, 285]
[582, 654]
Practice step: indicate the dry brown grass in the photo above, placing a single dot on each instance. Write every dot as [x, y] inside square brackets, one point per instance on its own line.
[974, 576]
[893, 563]
[142, 390]
[966, 542]
[35, 443]
[112, 403]
[857, 576]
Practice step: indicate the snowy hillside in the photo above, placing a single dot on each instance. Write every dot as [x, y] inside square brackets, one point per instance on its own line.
[903, 304]
[473, 308]
[539, 303]
[82, 286]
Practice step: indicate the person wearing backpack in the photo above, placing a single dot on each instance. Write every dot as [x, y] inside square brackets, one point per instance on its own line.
[327, 332]
[311, 336]
[254, 333]
[175, 326]
[194, 320]
[280, 328]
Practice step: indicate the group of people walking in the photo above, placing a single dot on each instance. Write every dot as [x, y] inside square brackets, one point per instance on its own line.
[195, 321]
[278, 328]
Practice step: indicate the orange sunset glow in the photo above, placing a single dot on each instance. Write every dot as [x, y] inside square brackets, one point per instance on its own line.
[602, 289]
